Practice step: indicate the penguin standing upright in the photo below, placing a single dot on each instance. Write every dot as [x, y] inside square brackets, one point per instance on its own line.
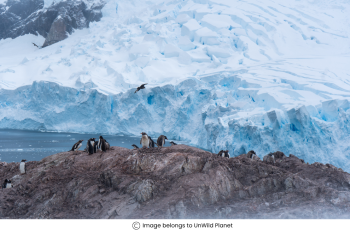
[161, 140]
[151, 142]
[144, 140]
[99, 145]
[77, 145]
[95, 147]
[103, 144]
[90, 146]
[227, 155]
[22, 166]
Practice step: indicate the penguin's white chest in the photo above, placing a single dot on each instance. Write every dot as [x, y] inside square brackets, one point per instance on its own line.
[22, 167]
[79, 146]
[8, 185]
[145, 141]
[223, 154]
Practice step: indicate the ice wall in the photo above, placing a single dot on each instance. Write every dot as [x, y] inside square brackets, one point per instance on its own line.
[212, 112]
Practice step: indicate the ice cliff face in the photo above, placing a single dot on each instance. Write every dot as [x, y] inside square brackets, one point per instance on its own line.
[222, 74]
[194, 110]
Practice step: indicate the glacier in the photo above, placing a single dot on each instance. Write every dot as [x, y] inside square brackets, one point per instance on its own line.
[236, 75]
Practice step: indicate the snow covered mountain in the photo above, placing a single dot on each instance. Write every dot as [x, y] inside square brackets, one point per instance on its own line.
[264, 75]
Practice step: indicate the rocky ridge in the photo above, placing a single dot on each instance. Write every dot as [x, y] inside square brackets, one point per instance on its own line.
[20, 17]
[173, 182]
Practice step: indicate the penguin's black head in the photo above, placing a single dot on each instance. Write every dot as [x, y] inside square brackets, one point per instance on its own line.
[143, 133]
[92, 139]
[23, 160]
[253, 152]
[165, 137]
[226, 151]
[101, 137]
[6, 180]
[81, 140]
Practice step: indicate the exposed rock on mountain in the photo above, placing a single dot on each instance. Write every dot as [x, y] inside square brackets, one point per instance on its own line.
[173, 182]
[20, 17]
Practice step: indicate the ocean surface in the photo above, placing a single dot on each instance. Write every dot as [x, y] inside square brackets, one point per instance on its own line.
[16, 145]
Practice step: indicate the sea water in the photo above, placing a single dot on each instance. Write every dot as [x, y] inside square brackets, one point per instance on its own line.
[16, 145]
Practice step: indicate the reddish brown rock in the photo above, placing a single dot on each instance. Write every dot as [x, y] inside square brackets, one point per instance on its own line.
[173, 182]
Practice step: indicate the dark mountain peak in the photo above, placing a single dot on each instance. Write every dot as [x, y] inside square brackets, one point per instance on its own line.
[20, 17]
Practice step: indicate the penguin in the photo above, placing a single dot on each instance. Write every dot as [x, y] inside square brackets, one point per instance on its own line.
[7, 184]
[173, 143]
[151, 142]
[221, 153]
[135, 147]
[100, 142]
[104, 145]
[227, 155]
[22, 166]
[141, 87]
[161, 140]
[269, 158]
[77, 145]
[250, 154]
[144, 140]
[90, 146]
[95, 147]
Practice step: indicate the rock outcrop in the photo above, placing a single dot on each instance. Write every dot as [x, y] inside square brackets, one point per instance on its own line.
[173, 182]
[20, 17]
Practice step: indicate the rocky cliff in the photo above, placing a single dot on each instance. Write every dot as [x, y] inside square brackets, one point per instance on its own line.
[20, 17]
[173, 182]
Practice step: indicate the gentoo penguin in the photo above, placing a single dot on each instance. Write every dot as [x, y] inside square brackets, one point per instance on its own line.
[100, 142]
[227, 155]
[7, 184]
[141, 87]
[173, 143]
[250, 154]
[161, 140]
[22, 166]
[95, 147]
[221, 153]
[90, 146]
[77, 145]
[135, 147]
[144, 140]
[104, 145]
[151, 142]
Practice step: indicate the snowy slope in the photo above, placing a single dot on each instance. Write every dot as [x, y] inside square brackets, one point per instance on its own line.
[262, 75]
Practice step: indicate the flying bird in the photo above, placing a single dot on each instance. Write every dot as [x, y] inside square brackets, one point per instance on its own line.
[141, 87]
[35, 45]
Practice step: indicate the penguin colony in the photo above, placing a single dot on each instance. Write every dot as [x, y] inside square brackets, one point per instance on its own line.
[146, 141]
